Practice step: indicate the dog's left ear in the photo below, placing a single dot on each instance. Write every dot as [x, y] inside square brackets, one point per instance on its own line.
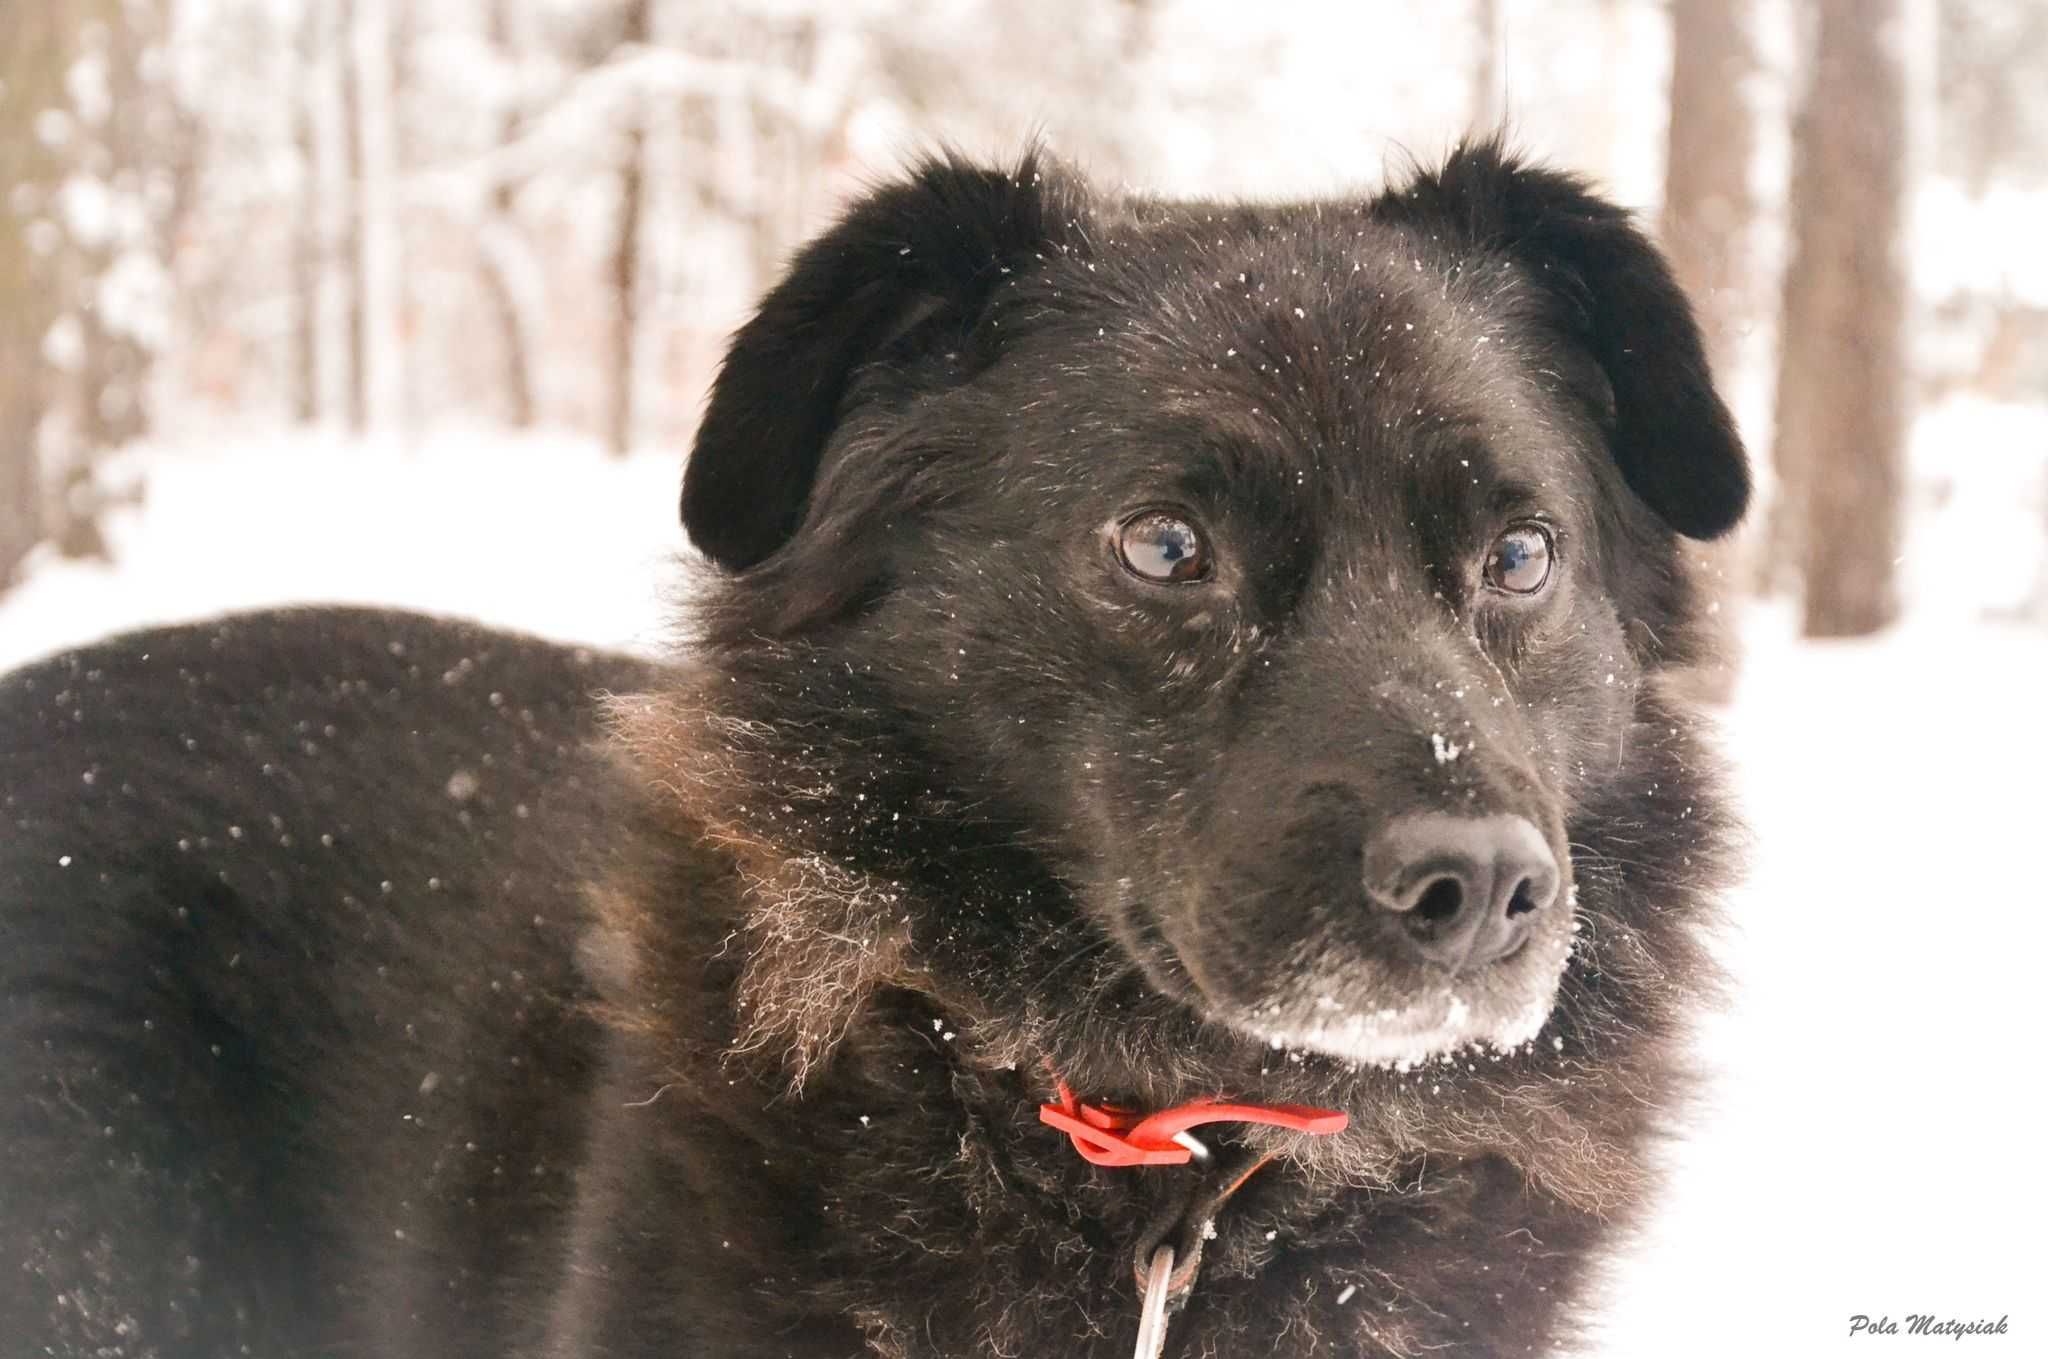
[1670, 434]
[910, 262]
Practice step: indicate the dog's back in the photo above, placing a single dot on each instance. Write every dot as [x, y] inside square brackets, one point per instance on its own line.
[294, 1054]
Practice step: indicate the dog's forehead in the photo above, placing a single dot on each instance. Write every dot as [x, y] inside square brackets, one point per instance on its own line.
[1317, 336]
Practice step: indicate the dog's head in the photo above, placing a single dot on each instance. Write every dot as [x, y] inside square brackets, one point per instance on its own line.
[1280, 582]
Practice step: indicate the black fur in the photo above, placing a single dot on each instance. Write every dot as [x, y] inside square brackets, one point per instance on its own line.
[920, 256]
[728, 1039]
[1665, 425]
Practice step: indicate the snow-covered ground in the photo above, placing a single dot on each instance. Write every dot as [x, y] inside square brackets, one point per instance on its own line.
[543, 533]
[1873, 1142]
[1872, 1145]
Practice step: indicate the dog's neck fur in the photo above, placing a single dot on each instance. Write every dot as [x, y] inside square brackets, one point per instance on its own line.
[832, 1040]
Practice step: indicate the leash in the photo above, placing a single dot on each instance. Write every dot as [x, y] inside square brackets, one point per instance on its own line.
[1168, 1253]
[1152, 1312]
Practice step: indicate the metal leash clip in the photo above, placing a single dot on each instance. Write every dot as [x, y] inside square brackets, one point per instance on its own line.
[1152, 1315]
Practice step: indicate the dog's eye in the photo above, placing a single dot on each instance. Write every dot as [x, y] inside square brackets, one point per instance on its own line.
[1519, 560]
[1157, 546]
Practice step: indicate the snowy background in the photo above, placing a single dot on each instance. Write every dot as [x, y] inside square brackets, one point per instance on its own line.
[504, 447]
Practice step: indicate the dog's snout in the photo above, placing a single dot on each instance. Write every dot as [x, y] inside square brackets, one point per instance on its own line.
[1462, 890]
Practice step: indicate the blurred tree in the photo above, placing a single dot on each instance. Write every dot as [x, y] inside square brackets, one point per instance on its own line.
[1709, 205]
[380, 356]
[303, 95]
[1489, 104]
[513, 139]
[498, 256]
[1992, 75]
[331, 225]
[131, 146]
[1843, 385]
[350, 215]
[97, 162]
[635, 31]
[1708, 227]
[34, 49]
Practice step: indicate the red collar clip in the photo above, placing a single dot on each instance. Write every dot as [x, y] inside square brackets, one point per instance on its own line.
[1108, 1136]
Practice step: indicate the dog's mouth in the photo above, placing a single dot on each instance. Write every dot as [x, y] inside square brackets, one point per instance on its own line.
[1342, 999]
[1446, 1022]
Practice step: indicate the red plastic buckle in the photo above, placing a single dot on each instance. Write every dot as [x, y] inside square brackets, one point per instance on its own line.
[1108, 1136]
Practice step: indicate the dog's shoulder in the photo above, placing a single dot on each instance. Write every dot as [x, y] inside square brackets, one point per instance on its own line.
[293, 770]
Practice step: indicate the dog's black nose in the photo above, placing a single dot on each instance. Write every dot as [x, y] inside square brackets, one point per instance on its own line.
[1463, 888]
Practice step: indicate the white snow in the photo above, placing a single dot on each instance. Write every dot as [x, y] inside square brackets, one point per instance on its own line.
[1871, 1146]
[1980, 470]
[546, 534]
[1872, 1141]
[1990, 242]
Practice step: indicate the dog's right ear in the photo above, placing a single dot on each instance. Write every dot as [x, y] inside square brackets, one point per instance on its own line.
[1666, 426]
[918, 256]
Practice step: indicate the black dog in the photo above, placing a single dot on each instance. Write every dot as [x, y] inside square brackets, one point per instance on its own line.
[1157, 652]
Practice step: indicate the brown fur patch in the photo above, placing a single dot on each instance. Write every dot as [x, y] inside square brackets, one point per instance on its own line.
[818, 938]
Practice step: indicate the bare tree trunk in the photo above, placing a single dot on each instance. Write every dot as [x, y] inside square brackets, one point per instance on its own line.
[303, 95]
[113, 366]
[1709, 207]
[94, 340]
[494, 258]
[1709, 212]
[335, 317]
[1842, 388]
[1489, 102]
[625, 264]
[351, 242]
[382, 302]
[32, 62]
